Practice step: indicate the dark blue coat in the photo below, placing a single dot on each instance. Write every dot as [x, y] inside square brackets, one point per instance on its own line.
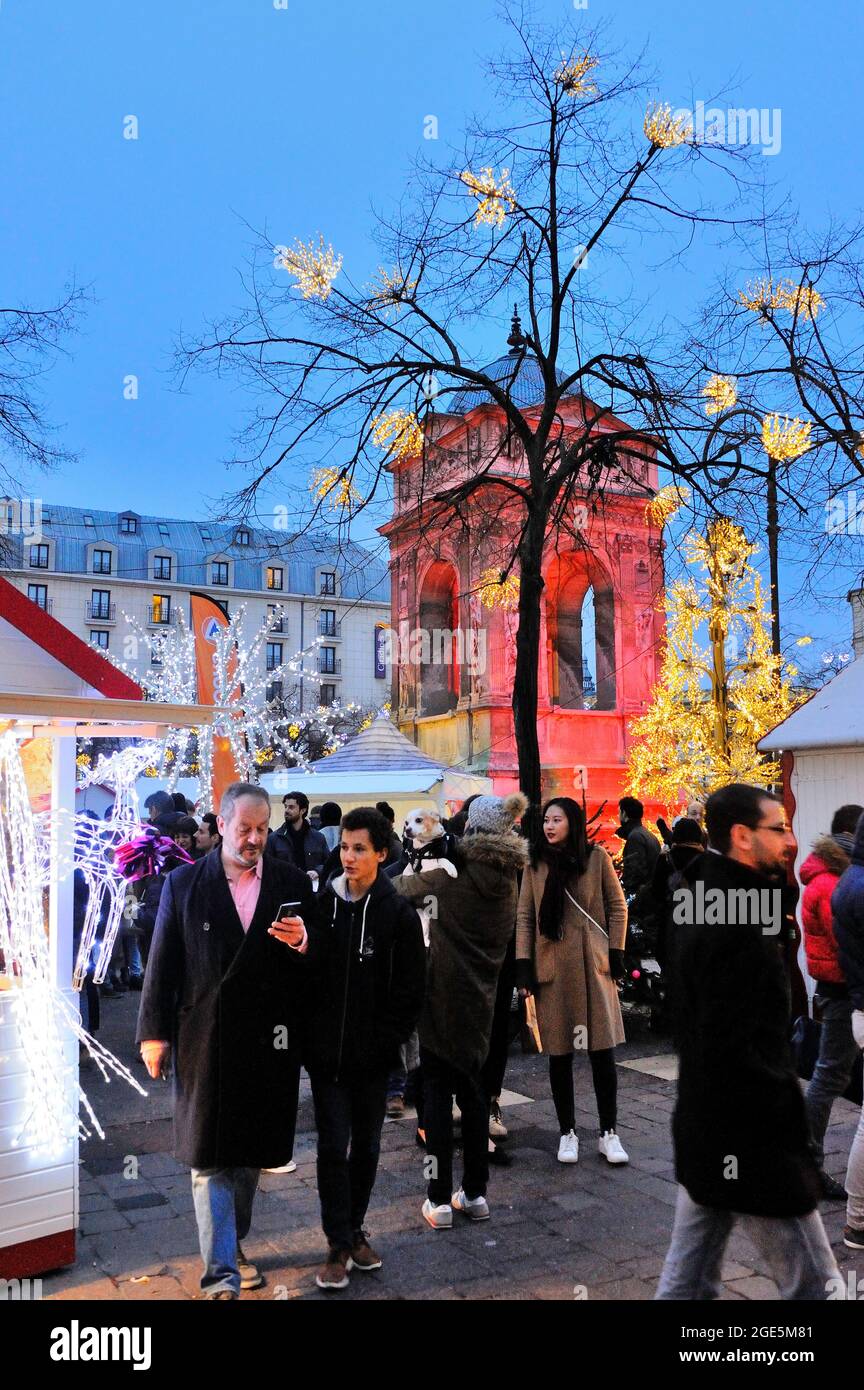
[229, 1003]
[847, 910]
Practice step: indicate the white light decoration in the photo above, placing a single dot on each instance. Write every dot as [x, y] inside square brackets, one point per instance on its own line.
[252, 724]
[45, 1019]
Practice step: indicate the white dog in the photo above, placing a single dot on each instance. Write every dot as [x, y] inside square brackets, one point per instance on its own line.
[431, 848]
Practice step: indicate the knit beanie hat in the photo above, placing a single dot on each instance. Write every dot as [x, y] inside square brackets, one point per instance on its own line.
[686, 832]
[494, 815]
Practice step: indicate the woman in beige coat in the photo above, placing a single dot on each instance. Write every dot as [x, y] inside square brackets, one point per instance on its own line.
[570, 931]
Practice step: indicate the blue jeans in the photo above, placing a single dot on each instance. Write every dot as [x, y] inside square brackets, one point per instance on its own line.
[833, 1071]
[795, 1247]
[223, 1209]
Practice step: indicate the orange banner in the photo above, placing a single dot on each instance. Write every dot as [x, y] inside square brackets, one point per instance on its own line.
[207, 618]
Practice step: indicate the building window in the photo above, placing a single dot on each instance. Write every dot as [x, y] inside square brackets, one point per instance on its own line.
[162, 567]
[156, 655]
[100, 604]
[274, 655]
[327, 623]
[101, 561]
[274, 577]
[243, 538]
[328, 695]
[162, 529]
[99, 637]
[220, 572]
[128, 525]
[88, 520]
[161, 608]
[328, 582]
[327, 661]
[273, 692]
[275, 617]
[38, 557]
[38, 593]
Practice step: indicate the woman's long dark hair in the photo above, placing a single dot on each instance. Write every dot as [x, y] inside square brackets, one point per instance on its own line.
[576, 847]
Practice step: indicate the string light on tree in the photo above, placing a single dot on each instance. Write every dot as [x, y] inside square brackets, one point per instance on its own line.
[665, 129]
[494, 193]
[721, 393]
[313, 267]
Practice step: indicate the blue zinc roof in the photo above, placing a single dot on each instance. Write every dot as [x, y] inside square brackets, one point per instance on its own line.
[194, 544]
[523, 382]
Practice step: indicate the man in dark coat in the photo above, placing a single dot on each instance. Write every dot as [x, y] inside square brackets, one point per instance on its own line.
[641, 848]
[742, 1148]
[847, 905]
[472, 920]
[367, 958]
[223, 991]
[296, 840]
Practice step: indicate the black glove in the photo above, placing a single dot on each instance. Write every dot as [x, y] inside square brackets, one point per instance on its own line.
[616, 964]
[525, 975]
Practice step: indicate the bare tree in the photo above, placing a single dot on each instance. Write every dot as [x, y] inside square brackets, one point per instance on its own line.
[353, 380]
[30, 341]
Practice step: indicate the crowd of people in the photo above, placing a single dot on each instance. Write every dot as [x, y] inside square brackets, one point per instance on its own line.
[387, 965]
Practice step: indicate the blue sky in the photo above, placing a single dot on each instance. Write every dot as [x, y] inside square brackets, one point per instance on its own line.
[298, 119]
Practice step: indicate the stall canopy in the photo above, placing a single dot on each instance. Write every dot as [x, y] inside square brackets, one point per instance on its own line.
[381, 763]
[832, 718]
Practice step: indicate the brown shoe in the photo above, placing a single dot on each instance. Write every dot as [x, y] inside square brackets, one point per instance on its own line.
[250, 1276]
[363, 1256]
[334, 1274]
[395, 1108]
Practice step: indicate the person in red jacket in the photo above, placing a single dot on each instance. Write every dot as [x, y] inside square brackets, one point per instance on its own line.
[832, 1004]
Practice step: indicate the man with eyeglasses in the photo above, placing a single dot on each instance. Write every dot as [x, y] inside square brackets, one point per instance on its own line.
[742, 1144]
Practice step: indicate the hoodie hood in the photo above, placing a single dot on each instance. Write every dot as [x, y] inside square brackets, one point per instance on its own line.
[827, 857]
[380, 888]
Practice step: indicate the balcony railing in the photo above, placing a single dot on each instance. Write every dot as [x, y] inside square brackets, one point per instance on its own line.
[100, 612]
[163, 617]
[334, 668]
[45, 604]
[328, 629]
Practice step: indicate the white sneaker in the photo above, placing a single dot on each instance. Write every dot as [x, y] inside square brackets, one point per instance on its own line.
[439, 1218]
[289, 1167]
[609, 1146]
[475, 1208]
[497, 1127]
[568, 1149]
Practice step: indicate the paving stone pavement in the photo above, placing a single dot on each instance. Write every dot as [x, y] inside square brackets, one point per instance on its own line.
[587, 1231]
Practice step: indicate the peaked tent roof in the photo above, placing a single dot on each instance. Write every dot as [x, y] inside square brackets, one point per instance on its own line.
[377, 748]
[77, 656]
[832, 718]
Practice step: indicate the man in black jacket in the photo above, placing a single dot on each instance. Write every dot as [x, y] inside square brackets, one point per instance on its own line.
[224, 991]
[742, 1149]
[296, 839]
[367, 958]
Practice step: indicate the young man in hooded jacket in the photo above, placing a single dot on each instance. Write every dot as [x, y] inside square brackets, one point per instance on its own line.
[367, 961]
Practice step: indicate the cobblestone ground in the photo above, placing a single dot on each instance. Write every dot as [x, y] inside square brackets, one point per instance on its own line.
[588, 1231]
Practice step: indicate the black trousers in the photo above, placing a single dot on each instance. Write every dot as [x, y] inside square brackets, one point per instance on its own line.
[605, 1088]
[349, 1116]
[441, 1082]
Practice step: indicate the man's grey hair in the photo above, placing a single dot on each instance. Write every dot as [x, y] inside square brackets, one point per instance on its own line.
[232, 795]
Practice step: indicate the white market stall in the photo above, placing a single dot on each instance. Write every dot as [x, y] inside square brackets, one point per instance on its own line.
[822, 743]
[379, 764]
[55, 689]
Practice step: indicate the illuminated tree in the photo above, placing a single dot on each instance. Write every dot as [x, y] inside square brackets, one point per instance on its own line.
[721, 686]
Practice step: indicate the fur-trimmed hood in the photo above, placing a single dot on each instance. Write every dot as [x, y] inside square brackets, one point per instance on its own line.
[505, 852]
[827, 857]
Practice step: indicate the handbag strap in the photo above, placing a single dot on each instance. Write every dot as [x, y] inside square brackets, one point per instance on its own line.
[586, 914]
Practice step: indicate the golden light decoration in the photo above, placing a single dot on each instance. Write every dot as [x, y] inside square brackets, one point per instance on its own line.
[804, 641]
[495, 195]
[783, 439]
[313, 267]
[765, 294]
[399, 433]
[665, 129]
[264, 755]
[665, 503]
[497, 593]
[721, 393]
[392, 287]
[571, 76]
[151, 771]
[83, 761]
[333, 486]
[293, 730]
